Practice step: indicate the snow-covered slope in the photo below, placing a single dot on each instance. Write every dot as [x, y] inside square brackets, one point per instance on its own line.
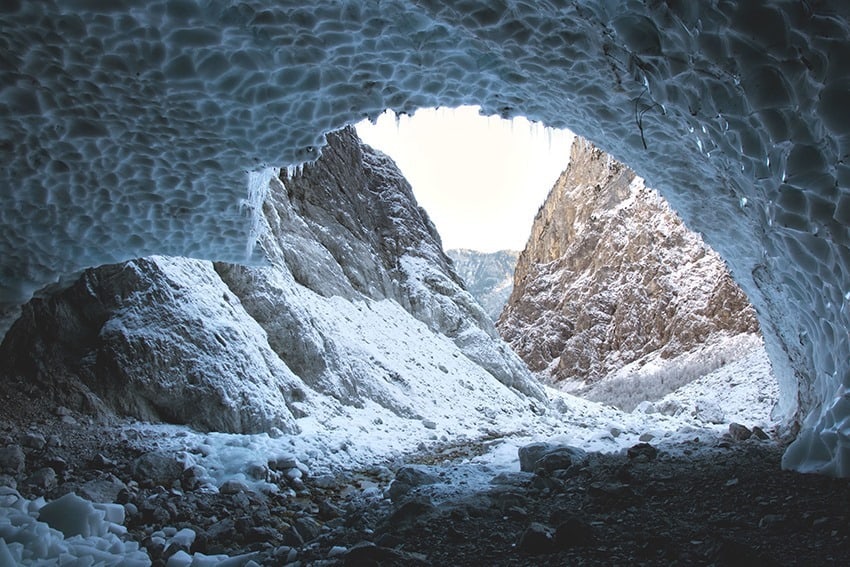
[489, 276]
[357, 307]
[610, 275]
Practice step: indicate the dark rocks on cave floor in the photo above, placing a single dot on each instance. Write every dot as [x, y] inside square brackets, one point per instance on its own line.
[724, 504]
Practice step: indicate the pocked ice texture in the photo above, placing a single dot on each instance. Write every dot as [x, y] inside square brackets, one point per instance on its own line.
[131, 127]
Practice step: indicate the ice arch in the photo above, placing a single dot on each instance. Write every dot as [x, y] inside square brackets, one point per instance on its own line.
[129, 127]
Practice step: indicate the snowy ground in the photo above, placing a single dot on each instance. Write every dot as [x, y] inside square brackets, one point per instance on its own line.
[743, 392]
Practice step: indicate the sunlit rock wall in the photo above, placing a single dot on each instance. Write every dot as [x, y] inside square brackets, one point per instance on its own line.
[610, 277]
[130, 127]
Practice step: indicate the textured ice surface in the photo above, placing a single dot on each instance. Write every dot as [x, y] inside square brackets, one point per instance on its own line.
[130, 128]
[67, 531]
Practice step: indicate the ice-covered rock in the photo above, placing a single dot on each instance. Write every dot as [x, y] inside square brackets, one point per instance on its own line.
[132, 128]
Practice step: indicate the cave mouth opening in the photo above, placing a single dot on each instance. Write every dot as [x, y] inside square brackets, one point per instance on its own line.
[482, 179]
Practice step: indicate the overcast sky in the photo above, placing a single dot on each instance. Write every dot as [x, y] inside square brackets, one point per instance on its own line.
[480, 179]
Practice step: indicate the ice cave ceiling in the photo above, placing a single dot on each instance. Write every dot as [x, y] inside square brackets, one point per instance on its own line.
[134, 127]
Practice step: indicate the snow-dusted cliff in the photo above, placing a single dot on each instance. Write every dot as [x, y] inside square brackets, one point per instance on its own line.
[611, 275]
[357, 310]
[489, 276]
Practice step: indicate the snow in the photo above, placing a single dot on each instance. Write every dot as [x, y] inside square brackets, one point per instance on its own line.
[334, 437]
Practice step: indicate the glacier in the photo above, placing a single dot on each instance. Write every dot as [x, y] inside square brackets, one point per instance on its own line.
[131, 128]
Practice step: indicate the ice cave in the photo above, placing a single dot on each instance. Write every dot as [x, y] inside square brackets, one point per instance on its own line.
[162, 118]
[133, 128]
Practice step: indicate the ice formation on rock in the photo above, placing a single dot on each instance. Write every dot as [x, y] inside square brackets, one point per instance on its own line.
[129, 128]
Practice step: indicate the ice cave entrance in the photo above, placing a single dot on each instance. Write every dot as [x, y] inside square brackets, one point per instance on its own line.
[481, 178]
[485, 181]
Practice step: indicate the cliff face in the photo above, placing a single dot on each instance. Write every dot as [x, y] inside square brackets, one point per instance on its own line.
[357, 307]
[489, 276]
[610, 275]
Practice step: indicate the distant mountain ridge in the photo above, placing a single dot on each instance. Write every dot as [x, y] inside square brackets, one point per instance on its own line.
[611, 275]
[489, 276]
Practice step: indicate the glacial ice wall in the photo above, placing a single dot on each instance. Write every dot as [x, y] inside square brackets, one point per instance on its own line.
[130, 127]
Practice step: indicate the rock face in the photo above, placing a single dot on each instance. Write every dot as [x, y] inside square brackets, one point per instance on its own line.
[357, 305]
[489, 276]
[610, 275]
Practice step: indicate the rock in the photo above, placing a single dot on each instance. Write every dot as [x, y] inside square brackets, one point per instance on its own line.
[529, 455]
[44, 480]
[409, 477]
[308, 528]
[560, 459]
[570, 321]
[193, 477]
[261, 534]
[642, 452]
[12, 460]
[292, 538]
[709, 412]
[157, 467]
[233, 486]
[573, 532]
[411, 513]
[614, 492]
[58, 464]
[368, 554]
[519, 479]
[536, 539]
[105, 489]
[416, 475]
[102, 462]
[283, 462]
[428, 424]
[223, 529]
[759, 433]
[336, 551]
[33, 440]
[739, 432]
[257, 471]
[646, 437]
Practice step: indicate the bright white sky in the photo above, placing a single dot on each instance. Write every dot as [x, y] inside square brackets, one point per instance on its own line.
[480, 179]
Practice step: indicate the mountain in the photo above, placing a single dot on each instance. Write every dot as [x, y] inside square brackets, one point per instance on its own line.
[489, 276]
[610, 275]
[356, 312]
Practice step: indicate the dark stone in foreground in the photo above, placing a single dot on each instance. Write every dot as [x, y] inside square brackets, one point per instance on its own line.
[368, 555]
[549, 456]
[536, 539]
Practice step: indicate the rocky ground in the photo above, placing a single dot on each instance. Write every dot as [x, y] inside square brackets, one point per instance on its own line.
[708, 502]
